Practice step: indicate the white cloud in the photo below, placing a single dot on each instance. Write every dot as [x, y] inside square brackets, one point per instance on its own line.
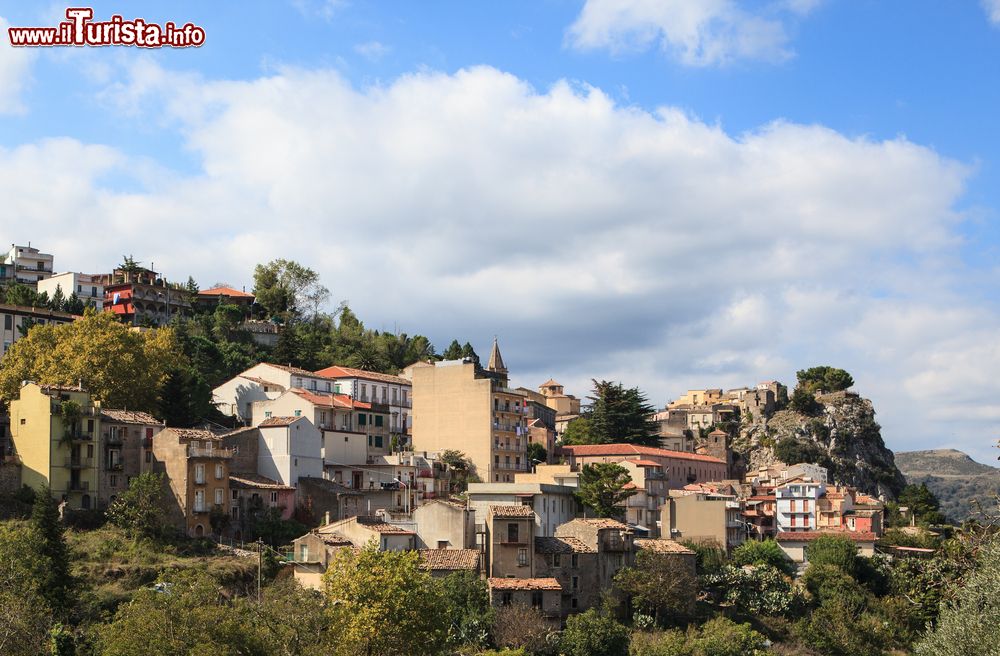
[597, 240]
[702, 33]
[372, 50]
[15, 64]
[992, 8]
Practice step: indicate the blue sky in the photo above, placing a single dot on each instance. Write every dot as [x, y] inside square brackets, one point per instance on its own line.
[668, 193]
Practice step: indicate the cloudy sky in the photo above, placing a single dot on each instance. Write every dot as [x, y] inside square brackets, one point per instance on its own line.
[667, 193]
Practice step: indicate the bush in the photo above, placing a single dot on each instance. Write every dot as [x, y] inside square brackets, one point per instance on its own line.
[710, 557]
[520, 627]
[723, 637]
[758, 590]
[593, 634]
[667, 643]
[834, 550]
[805, 402]
[766, 552]
[838, 628]
[828, 582]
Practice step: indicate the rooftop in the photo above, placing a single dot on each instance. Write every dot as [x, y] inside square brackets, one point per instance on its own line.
[602, 522]
[635, 449]
[512, 511]
[273, 422]
[256, 482]
[378, 525]
[338, 371]
[545, 545]
[224, 291]
[524, 584]
[130, 417]
[449, 559]
[808, 536]
[662, 545]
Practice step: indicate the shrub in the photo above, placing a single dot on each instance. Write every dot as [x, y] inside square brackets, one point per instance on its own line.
[833, 550]
[667, 643]
[593, 634]
[766, 552]
[723, 637]
[758, 590]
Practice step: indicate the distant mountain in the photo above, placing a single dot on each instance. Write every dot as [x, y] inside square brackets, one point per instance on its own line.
[957, 480]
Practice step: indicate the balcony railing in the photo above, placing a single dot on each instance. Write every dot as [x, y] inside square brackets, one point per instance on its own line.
[79, 463]
[113, 438]
[202, 452]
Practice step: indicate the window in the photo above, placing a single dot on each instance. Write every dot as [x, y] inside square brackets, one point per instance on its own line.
[364, 391]
[378, 441]
[218, 471]
[267, 414]
[536, 599]
[199, 501]
[219, 499]
[378, 421]
[298, 413]
[557, 560]
[573, 603]
[328, 386]
[522, 557]
[575, 561]
[576, 582]
[303, 553]
[149, 456]
[236, 495]
[7, 322]
[113, 480]
[506, 598]
[512, 529]
[361, 419]
[236, 512]
[442, 544]
[199, 473]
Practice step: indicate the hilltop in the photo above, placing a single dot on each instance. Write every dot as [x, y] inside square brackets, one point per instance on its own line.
[957, 480]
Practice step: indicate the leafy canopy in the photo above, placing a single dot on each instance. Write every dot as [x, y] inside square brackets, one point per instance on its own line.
[602, 488]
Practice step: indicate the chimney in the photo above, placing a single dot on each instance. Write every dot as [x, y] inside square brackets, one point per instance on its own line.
[326, 518]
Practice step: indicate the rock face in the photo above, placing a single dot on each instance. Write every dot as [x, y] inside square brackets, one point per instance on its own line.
[964, 487]
[843, 437]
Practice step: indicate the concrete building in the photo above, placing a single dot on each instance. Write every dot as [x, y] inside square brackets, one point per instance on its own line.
[642, 510]
[563, 475]
[143, 297]
[441, 524]
[458, 406]
[26, 265]
[289, 448]
[382, 389]
[87, 287]
[196, 465]
[16, 320]
[796, 505]
[704, 517]
[552, 505]
[679, 468]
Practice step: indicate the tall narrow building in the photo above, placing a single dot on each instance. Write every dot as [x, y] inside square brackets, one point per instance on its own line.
[460, 406]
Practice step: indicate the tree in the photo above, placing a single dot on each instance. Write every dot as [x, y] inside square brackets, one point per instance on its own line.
[56, 584]
[140, 511]
[766, 552]
[970, 622]
[824, 379]
[18, 294]
[805, 402]
[25, 616]
[833, 550]
[665, 585]
[791, 450]
[593, 634]
[618, 414]
[756, 589]
[384, 603]
[469, 610]
[453, 352]
[537, 453]
[518, 627]
[120, 367]
[74, 305]
[461, 467]
[184, 398]
[286, 289]
[603, 488]
[58, 300]
[922, 503]
[578, 432]
[721, 636]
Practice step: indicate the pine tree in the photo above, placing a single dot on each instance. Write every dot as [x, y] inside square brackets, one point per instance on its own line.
[56, 584]
[453, 352]
[58, 300]
[621, 415]
[73, 304]
[178, 406]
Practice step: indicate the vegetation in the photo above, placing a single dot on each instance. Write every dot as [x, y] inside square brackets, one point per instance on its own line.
[662, 585]
[139, 511]
[616, 414]
[922, 503]
[603, 488]
[765, 552]
[594, 634]
[823, 379]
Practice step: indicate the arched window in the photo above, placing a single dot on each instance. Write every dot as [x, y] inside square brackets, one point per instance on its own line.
[199, 531]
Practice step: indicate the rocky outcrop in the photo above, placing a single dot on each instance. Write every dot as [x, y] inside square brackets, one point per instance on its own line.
[843, 436]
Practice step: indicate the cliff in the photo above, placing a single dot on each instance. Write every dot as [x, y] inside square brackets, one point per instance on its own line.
[842, 435]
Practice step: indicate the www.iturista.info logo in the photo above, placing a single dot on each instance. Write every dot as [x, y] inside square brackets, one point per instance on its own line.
[81, 30]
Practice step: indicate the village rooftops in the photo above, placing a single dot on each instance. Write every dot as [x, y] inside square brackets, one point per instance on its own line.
[331, 400]
[597, 450]
[130, 417]
[662, 545]
[808, 536]
[449, 559]
[602, 522]
[524, 584]
[378, 525]
[511, 511]
[338, 371]
[274, 422]
[256, 482]
[565, 545]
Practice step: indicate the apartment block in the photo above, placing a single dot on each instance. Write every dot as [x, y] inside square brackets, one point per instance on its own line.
[382, 389]
[143, 297]
[88, 287]
[457, 405]
[16, 320]
[704, 517]
[196, 465]
[25, 265]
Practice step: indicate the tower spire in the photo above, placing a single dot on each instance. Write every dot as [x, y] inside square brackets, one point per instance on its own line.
[496, 360]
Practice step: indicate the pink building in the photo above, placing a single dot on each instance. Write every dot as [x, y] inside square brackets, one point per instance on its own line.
[680, 468]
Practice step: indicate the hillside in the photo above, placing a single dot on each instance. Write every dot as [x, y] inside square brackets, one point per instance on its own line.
[843, 436]
[957, 480]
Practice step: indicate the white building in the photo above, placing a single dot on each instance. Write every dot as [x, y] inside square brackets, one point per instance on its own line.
[289, 448]
[26, 265]
[553, 504]
[368, 386]
[796, 504]
[264, 382]
[87, 287]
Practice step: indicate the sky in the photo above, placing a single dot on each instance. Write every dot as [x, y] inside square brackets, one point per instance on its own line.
[666, 193]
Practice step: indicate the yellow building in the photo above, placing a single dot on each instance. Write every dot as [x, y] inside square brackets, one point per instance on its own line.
[55, 431]
[457, 405]
[557, 399]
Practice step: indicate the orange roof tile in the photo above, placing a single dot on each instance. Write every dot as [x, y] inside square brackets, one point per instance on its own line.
[449, 559]
[275, 422]
[662, 545]
[225, 291]
[524, 584]
[597, 450]
[546, 545]
[338, 371]
[511, 511]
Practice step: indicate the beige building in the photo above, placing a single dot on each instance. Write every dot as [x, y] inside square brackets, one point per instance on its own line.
[196, 466]
[679, 468]
[796, 545]
[543, 594]
[126, 450]
[704, 517]
[510, 539]
[558, 400]
[444, 524]
[552, 505]
[458, 406]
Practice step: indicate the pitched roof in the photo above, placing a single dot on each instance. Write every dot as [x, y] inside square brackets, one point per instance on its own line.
[225, 291]
[637, 450]
[662, 545]
[524, 584]
[546, 545]
[808, 536]
[602, 522]
[130, 417]
[195, 434]
[338, 371]
[378, 525]
[329, 400]
[333, 539]
[259, 381]
[496, 360]
[512, 511]
[550, 382]
[272, 422]
[449, 559]
[256, 482]
[293, 370]
[645, 463]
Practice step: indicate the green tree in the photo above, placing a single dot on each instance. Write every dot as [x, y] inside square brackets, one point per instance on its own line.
[288, 290]
[453, 352]
[664, 585]
[765, 552]
[618, 414]
[805, 402]
[140, 511]
[721, 636]
[25, 616]
[74, 305]
[461, 468]
[384, 603]
[58, 300]
[710, 556]
[825, 379]
[834, 550]
[922, 503]
[578, 432]
[18, 294]
[758, 590]
[469, 610]
[593, 634]
[185, 399]
[56, 584]
[537, 453]
[603, 488]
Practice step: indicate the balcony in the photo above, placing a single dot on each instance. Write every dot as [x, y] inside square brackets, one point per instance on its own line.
[33, 269]
[114, 466]
[79, 486]
[202, 452]
[113, 438]
[79, 463]
[200, 508]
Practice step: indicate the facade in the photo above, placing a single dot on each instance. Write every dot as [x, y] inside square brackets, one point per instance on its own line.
[679, 468]
[196, 465]
[126, 439]
[250, 495]
[510, 539]
[142, 297]
[26, 265]
[289, 448]
[88, 288]
[704, 517]
[382, 389]
[209, 298]
[551, 505]
[796, 505]
[796, 545]
[362, 530]
[642, 509]
[613, 547]
[458, 406]
[543, 594]
[558, 400]
[16, 320]
[443, 524]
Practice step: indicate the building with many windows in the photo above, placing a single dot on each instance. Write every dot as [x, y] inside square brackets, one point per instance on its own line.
[196, 465]
[372, 387]
[16, 320]
[87, 287]
[25, 265]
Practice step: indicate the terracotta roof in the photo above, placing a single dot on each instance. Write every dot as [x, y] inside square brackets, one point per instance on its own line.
[260, 381]
[524, 584]
[550, 382]
[329, 400]
[294, 370]
[130, 417]
[225, 291]
[512, 511]
[629, 486]
[662, 545]
[255, 482]
[602, 522]
[635, 449]
[338, 371]
[545, 545]
[449, 559]
[272, 422]
[808, 536]
[645, 463]
[195, 434]
[332, 539]
[762, 497]
[379, 526]
[719, 432]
